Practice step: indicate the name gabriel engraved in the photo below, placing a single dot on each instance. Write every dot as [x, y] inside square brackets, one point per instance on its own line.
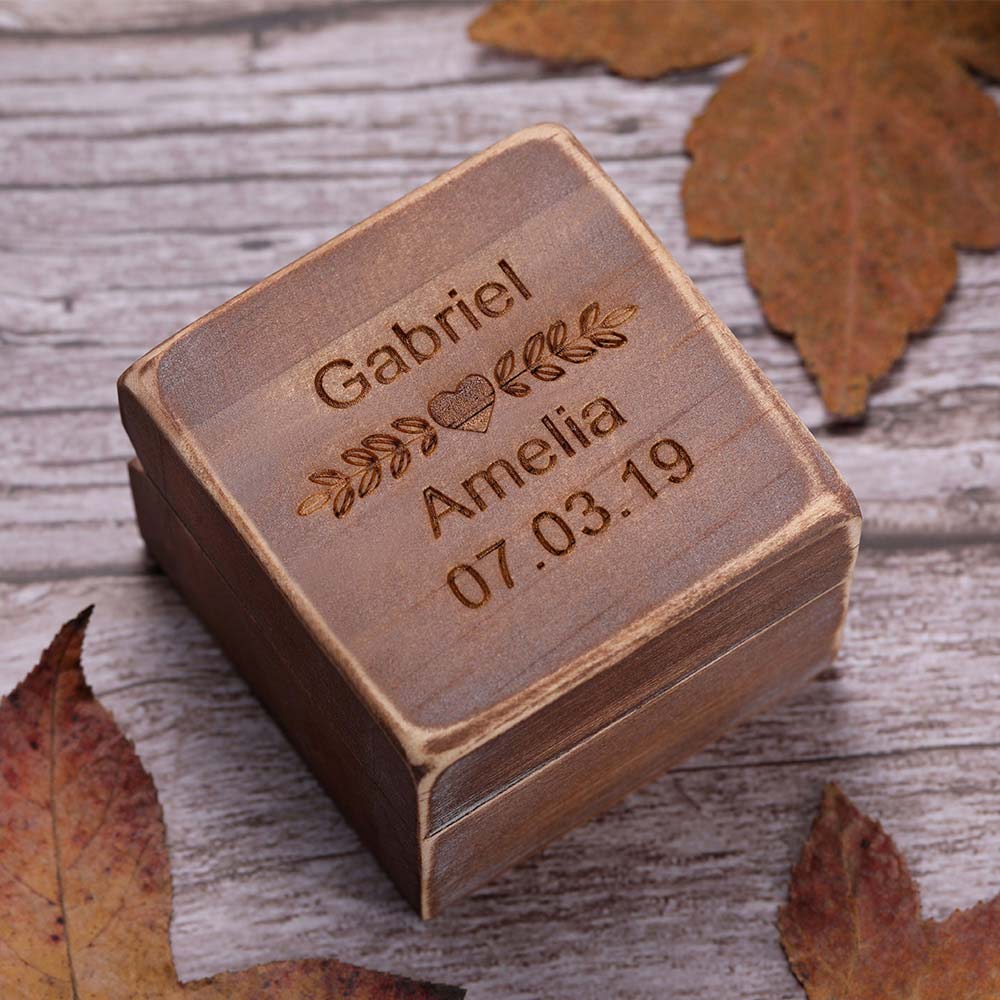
[417, 345]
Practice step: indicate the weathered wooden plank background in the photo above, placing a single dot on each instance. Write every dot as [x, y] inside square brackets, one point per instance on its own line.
[155, 158]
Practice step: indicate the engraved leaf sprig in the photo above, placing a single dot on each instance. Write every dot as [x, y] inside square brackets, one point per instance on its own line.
[542, 349]
[340, 489]
[506, 377]
[602, 332]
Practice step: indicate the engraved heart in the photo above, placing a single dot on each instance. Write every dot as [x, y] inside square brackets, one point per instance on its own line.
[466, 408]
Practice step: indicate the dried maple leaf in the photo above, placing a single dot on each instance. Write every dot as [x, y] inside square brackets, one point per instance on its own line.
[852, 928]
[851, 154]
[84, 875]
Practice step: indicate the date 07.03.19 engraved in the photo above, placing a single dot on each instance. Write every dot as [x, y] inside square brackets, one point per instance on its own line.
[556, 535]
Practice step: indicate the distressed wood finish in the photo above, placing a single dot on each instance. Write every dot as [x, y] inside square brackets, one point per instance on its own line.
[149, 176]
[513, 520]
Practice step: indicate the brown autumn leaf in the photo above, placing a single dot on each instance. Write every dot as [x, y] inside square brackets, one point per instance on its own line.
[85, 896]
[852, 928]
[851, 154]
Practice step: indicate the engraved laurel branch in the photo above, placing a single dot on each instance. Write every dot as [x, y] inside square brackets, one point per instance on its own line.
[540, 349]
[340, 490]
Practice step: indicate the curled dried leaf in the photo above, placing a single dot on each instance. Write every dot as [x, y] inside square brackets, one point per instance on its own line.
[70, 776]
[849, 238]
[853, 926]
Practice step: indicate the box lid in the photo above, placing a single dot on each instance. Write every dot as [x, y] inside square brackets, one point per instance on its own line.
[487, 444]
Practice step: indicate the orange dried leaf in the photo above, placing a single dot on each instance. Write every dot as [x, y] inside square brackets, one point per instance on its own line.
[852, 928]
[85, 895]
[637, 39]
[851, 154]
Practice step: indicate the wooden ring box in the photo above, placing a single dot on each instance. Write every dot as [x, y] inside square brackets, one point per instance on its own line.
[492, 511]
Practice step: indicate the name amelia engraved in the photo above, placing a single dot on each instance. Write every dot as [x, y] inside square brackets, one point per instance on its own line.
[339, 383]
[538, 455]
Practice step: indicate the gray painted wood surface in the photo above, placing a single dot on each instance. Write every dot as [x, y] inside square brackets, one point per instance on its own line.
[155, 158]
